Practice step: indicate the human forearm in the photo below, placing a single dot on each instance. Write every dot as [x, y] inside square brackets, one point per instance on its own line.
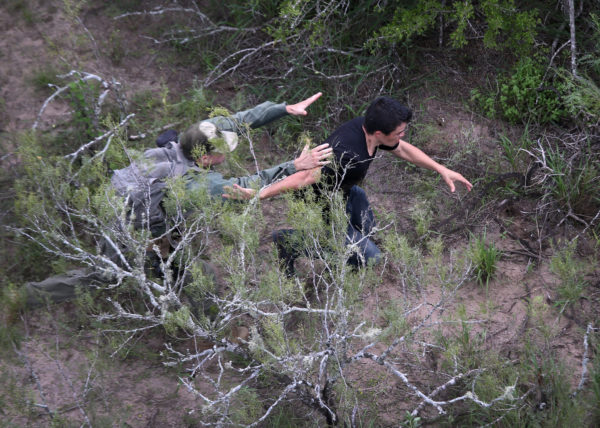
[416, 156]
[292, 182]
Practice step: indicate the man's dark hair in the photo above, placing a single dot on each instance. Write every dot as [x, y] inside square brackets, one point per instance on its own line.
[193, 141]
[386, 114]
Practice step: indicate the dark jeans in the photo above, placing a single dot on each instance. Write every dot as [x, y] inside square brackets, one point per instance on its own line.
[361, 223]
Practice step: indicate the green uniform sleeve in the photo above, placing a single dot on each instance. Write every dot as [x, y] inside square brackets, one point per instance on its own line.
[255, 117]
[215, 183]
[266, 176]
[211, 181]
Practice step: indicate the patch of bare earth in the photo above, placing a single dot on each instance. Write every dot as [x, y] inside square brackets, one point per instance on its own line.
[55, 369]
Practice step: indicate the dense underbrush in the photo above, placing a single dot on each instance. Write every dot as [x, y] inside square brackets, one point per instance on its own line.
[482, 312]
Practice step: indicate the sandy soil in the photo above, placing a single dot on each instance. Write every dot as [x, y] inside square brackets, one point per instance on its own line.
[144, 394]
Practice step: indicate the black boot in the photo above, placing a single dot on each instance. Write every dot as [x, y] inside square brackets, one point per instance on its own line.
[285, 251]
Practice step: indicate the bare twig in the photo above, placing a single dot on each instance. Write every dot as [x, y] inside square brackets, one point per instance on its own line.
[585, 359]
[73, 156]
[83, 76]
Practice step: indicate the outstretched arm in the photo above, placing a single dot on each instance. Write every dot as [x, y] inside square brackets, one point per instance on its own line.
[299, 109]
[416, 156]
[291, 182]
[261, 115]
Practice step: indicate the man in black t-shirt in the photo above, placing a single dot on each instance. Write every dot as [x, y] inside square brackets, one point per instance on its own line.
[355, 145]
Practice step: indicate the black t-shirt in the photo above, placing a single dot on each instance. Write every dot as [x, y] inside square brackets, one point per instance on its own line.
[352, 159]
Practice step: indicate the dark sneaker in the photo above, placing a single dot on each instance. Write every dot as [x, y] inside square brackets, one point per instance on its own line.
[285, 254]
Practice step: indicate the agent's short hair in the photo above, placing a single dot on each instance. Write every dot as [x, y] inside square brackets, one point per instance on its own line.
[205, 138]
[386, 114]
[193, 141]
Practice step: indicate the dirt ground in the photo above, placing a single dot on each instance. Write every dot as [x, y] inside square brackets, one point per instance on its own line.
[57, 366]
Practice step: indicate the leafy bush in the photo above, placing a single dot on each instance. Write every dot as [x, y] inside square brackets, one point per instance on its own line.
[582, 99]
[524, 95]
[506, 27]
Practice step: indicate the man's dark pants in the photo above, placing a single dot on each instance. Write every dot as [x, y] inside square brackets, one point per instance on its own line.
[361, 222]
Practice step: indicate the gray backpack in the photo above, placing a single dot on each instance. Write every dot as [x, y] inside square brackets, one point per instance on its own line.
[143, 184]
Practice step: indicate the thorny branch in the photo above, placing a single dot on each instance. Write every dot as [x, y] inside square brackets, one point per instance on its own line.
[82, 77]
[110, 133]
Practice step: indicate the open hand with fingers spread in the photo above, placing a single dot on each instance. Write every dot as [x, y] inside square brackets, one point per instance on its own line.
[299, 109]
[313, 158]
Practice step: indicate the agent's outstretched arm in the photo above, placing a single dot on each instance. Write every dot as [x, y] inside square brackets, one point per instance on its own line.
[416, 156]
[291, 182]
[299, 109]
[261, 115]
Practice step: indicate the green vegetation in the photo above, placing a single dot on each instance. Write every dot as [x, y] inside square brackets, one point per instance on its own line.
[332, 344]
[525, 95]
[501, 17]
[515, 151]
[42, 79]
[574, 182]
[571, 273]
[485, 257]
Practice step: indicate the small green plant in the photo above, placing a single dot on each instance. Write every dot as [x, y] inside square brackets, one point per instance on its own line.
[12, 301]
[538, 311]
[73, 7]
[115, 47]
[485, 258]
[571, 272]
[21, 7]
[82, 96]
[397, 325]
[247, 407]
[43, 78]
[411, 421]
[408, 261]
[421, 215]
[514, 150]
[574, 181]
[582, 97]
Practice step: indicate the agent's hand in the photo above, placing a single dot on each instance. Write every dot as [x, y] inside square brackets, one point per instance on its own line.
[238, 193]
[299, 109]
[314, 158]
[450, 177]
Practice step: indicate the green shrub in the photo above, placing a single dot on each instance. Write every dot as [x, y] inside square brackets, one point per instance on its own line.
[525, 95]
[582, 98]
[506, 27]
[42, 78]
